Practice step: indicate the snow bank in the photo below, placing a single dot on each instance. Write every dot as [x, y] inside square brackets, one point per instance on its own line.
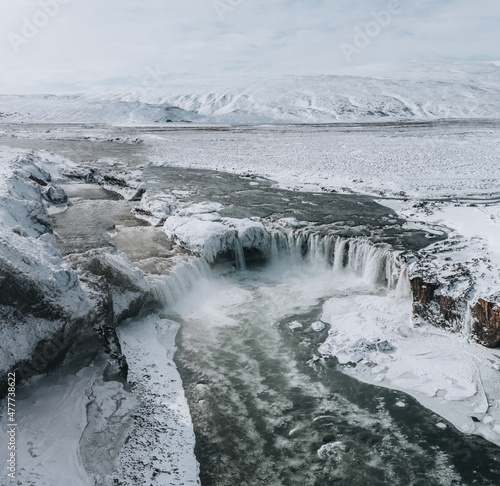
[452, 275]
[160, 447]
[71, 423]
[40, 295]
[446, 373]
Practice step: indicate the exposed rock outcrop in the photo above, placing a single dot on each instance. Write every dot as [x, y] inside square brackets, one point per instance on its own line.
[433, 306]
[451, 289]
[486, 322]
[119, 291]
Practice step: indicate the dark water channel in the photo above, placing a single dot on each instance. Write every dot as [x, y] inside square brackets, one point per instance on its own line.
[267, 412]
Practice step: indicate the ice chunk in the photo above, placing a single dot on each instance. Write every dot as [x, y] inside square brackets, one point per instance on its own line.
[290, 223]
[317, 326]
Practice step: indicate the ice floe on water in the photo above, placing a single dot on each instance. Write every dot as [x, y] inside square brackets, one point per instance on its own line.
[373, 336]
[317, 326]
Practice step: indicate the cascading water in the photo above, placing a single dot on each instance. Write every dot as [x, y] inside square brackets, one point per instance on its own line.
[267, 410]
[239, 255]
[377, 263]
[171, 288]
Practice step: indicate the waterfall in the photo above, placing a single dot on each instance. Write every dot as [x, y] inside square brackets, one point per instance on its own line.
[376, 263]
[239, 255]
[403, 288]
[172, 287]
[340, 253]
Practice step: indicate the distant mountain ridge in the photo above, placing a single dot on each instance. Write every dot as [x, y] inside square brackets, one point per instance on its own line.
[415, 91]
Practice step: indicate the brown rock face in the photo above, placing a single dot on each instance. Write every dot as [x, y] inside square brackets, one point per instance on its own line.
[436, 309]
[423, 292]
[486, 327]
[449, 313]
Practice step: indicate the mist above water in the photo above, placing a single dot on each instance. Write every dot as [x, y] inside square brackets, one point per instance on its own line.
[269, 410]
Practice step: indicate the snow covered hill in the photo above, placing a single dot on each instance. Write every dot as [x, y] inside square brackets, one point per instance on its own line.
[84, 109]
[419, 91]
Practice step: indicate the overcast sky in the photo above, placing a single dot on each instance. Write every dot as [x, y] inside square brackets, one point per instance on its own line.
[87, 43]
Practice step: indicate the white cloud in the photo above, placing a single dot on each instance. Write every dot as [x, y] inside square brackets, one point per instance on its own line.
[96, 42]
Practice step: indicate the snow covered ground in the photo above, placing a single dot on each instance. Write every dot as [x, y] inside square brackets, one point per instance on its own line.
[160, 448]
[419, 160]
[473, 225]
[453, 165]
[397, 91]
[454, 377]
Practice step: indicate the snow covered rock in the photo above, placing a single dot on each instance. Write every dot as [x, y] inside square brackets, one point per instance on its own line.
[113, 273]
[126, 184]
[453, 288]
[42, 305]
[252, 234]
[486, 322]
[46, 305]
[55, 195]
[290, 223]
[207, 238]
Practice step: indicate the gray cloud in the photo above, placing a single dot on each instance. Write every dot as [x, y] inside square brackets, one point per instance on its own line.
[94, 42]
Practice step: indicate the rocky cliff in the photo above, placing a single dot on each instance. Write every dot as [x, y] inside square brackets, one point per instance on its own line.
[451, 290]
[48, 302]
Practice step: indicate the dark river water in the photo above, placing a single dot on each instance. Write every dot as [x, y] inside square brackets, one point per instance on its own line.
[267, 411]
